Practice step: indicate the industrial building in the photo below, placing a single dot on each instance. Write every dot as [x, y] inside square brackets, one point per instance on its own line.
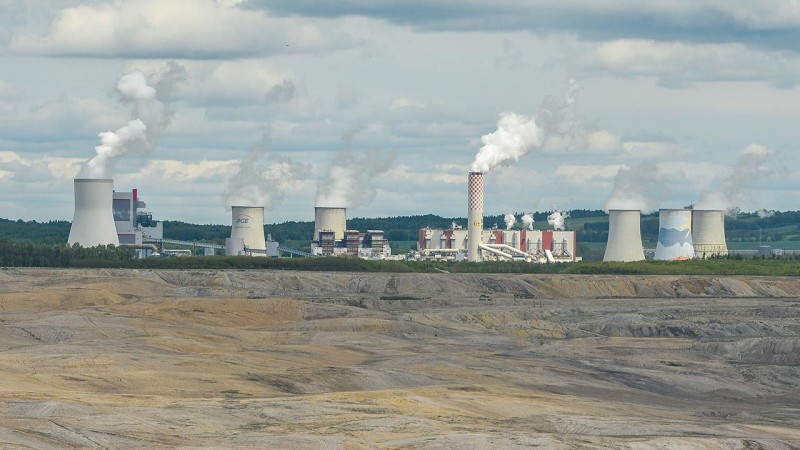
[332, 238]
[497, 245]
[134, 223]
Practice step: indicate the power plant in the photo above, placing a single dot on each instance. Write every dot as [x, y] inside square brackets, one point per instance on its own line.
[708, 233]
[624, 236]
[248, 225]
[93, 221]
[674, 235]
[332, 238]
[330, 220]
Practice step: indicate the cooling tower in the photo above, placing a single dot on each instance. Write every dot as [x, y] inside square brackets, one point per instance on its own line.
[330, 219]
[474, 215]
[708, 233]
[248, 225]
[93, 222]
[674, 235]
[624, 236]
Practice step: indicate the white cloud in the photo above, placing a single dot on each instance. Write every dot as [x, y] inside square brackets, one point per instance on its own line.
[574, 173]
[653, 150]
[183, 171]
[187, 29]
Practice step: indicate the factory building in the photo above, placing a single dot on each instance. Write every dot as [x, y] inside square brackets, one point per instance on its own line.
[332, 238]
[528, 245]
[134, 222]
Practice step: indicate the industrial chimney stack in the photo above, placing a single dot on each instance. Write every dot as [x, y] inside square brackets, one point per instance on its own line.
[624, 236]
[708, 233]
[474, 215]
[674, 235]
[93, 222]
[248, 225]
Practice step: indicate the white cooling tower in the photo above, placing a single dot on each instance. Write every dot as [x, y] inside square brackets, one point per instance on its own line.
[624, 236]
[474, 215]
[248, 225]
[330, 219]
[674, 235]
[708, 233]
[93, 222]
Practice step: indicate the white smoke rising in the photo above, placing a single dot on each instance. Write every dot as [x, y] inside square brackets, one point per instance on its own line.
[527, 221]
[516, 134]
[556, 219]
[150, 117]
[751, 167]
[349, 180]
[765, 213]
[640, 188]
[510, 220]
[257, 184]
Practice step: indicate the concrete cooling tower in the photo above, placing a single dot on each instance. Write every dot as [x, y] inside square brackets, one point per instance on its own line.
[248, 225]
[708, 233]
[474, 215]
[624, 236]
[330, 219]
[674, 235]
[93, 222]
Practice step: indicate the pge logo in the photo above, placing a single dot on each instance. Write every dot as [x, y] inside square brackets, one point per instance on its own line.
[243, 219]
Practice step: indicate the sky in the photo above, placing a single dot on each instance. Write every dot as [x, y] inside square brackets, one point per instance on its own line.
[383, 106]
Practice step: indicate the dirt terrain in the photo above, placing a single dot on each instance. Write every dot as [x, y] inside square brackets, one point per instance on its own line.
[270, 359]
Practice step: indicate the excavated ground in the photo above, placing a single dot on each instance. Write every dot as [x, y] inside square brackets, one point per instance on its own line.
[269, 359]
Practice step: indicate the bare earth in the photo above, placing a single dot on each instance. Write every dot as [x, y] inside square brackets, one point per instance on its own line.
[262, 359]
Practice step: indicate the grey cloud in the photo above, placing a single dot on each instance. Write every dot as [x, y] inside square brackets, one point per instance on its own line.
[682, 20]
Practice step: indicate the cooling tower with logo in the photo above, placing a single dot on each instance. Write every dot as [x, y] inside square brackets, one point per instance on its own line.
[624, 236]
[330, 219]
[708, 233]
[93, 222]
[674, 235]
[248, 225]
[474, 215]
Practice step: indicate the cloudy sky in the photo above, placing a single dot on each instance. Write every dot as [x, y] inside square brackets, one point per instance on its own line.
[672, 102]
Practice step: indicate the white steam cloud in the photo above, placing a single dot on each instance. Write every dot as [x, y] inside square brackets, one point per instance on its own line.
[348, 182]
[751, 167]
[516, 134]
[264, 185]
[150, 117]
[557, 218]
[510, 220]
[640, 188]
[765, 213]
[527, 221]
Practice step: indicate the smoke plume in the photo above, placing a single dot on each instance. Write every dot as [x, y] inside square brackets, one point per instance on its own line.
[749, 170]
[556, 219]
[765, 213]
[348, 182]
[510, 220]
[150, 117]
[516, 134]
[527, 221]
[639, 188]
[264, 185]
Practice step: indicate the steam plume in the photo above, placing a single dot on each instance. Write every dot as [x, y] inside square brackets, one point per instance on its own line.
[750, 168]
[510, 220]
[150, 117]
[257, 184]
[527, 221]
[641, 188]
[349, 180]
[764, 213]
[516, 135]
[556, 219]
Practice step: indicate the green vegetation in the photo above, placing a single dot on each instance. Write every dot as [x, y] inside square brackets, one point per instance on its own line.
[55, 255]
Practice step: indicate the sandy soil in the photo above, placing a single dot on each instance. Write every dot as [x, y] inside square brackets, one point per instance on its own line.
[259, 359]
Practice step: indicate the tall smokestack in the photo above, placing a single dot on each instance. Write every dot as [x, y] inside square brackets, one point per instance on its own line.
[248, 225]
[624, 236]
[474, 215]
[708, 233]
[93, 222]
[330, 219]
[674, 235]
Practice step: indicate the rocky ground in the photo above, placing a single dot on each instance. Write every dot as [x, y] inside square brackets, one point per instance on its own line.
[261, 359]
